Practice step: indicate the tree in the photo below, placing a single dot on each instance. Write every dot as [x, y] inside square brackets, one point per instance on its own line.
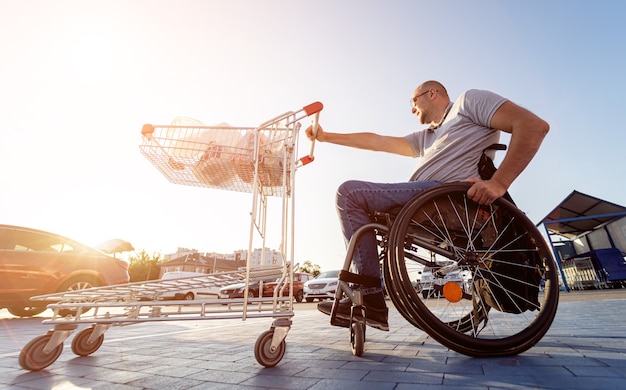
[144, 266]
[310, 268]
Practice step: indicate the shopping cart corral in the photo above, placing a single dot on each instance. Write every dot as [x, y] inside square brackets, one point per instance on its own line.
[258, 160]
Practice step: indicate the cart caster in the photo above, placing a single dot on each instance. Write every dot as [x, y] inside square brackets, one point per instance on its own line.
[81, 345]
[357, 338]
[34, 356]
[263, 350]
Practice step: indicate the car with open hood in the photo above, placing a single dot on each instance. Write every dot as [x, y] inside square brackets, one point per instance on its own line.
[36, 262]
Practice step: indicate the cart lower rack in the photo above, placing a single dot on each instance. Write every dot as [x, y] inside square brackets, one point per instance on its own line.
[258, 160]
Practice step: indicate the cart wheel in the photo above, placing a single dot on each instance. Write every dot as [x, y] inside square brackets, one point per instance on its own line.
[262, 350]
[357, 338]
[81, 345]
[33, 357]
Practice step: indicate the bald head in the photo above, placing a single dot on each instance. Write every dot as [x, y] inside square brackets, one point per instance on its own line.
[430, 101]
[432, 84]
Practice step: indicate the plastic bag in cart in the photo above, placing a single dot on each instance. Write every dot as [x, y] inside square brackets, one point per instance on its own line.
[214, 166]
[210, 149]
[270, 160]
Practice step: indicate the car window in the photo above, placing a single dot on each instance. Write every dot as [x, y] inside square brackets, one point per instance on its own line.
[328, 274]
[29, 241]
[301, 277]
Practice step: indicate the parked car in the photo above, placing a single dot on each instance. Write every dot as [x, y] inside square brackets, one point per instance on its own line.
[322, 287]
[35, 262]
[431, 284]
[236, 290]
[299, 278]
[190, 292]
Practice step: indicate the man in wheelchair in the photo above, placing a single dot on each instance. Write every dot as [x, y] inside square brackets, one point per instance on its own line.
[449, 150]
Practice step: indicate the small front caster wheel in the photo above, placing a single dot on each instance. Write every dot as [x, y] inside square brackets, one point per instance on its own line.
[357, 338]
[33, 357]
[81, 345]
[263, 350]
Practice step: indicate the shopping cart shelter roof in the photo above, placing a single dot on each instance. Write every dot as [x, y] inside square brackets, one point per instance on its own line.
[579, 213]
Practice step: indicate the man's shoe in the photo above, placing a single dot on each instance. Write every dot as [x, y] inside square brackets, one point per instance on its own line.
[327, 306]
[376, 318]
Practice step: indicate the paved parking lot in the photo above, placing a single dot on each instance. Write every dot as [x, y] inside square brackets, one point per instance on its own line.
[584, 349]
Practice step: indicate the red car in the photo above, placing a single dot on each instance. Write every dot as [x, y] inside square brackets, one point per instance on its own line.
[34, 262]
[298, 286]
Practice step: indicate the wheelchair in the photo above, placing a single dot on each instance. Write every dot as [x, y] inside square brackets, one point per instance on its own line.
[493, 288]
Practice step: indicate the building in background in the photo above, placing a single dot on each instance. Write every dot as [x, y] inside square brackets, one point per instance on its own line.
[190, 260]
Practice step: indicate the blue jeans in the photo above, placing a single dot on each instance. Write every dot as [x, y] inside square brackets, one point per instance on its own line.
[356, 203]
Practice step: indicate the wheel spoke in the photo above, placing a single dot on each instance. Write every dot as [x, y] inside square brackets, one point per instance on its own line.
[494, 258]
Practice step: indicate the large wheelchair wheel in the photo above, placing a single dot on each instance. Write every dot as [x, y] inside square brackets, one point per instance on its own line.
[480, 280]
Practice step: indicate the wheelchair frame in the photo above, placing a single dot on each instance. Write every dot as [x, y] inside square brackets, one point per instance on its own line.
[463, 319]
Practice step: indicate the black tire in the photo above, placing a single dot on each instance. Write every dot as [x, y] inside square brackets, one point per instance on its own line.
[189, 296]
[26, 311]
[33, 358]
[299, 296]
[81, 345]
[262, 350]
[473, 240]
[357, 338]
[310, 300]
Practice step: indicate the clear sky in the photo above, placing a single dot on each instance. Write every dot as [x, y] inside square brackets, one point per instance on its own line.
[78, 79]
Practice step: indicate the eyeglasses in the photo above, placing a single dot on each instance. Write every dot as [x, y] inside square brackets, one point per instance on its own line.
[414, 98]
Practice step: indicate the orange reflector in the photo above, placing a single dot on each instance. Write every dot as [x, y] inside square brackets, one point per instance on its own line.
[452, 292]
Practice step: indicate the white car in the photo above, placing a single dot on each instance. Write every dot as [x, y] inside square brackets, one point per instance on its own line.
[188, 292]
[322, 287]
[431, 286]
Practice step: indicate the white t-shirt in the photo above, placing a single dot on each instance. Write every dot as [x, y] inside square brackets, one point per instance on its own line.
[451, 152]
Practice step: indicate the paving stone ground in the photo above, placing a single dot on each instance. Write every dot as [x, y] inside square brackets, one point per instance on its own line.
[584, 349]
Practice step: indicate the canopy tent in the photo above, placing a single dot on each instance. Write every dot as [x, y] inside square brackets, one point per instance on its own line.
[576, 216]
[579, 213]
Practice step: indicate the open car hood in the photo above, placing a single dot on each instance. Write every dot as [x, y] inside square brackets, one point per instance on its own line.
[115, 246]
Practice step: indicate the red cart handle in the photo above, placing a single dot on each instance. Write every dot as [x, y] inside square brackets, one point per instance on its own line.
[313, 108]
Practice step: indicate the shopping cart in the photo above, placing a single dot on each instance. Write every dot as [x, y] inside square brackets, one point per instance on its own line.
[258, 160]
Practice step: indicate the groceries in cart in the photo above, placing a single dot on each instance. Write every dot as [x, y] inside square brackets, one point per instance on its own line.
[220, 155]
[270, 158]
[208, 153]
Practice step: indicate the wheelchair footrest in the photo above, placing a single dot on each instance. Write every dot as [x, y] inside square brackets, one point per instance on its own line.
[365, 281]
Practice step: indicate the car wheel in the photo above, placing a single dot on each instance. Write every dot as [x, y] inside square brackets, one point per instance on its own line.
[27, 311]
[188, 296]
[75, 284]
[309, 299]
[299, 296]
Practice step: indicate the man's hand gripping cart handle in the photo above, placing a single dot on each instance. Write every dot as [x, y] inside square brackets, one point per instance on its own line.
[312, 109]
